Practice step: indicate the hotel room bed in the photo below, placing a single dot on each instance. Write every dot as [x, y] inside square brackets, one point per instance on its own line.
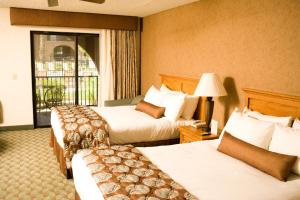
[127, 126]
[203, 171]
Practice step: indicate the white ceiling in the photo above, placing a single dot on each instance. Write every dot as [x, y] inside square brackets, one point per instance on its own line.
[139, 8]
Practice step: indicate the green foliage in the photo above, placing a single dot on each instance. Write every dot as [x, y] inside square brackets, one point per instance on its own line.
[63, 89]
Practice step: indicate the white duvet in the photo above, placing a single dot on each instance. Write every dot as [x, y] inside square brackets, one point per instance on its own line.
[204, 172]
[126, 125]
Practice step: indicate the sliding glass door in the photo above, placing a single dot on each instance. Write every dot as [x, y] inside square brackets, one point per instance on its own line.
[64, 72]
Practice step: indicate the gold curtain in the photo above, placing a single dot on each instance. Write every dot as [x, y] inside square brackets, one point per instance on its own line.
[124, 64]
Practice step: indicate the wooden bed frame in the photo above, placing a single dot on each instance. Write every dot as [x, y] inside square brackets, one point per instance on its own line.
[187, 85]
[59, 153]
[269, 103]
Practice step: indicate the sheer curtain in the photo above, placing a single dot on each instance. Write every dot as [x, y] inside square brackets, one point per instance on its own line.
[119, 75]
[106, 84]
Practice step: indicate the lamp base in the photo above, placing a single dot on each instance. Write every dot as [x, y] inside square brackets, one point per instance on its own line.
[206, 129]
[209, 113]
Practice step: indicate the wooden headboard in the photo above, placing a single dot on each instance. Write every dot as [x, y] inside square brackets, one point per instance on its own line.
[271, 103]
[186, 85]
[183, 84]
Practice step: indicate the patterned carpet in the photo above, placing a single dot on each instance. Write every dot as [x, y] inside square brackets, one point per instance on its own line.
[28, 168]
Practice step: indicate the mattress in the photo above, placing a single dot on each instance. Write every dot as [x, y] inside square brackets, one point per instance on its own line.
[126, 125]
[204, 172]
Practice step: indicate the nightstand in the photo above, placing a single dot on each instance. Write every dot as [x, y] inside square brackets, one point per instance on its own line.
[191, 134]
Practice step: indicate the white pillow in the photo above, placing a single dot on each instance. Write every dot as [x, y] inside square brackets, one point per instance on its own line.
[174, 104]
[296, 124]
[284, 121]
[286, 140]
[253, 131]
[229, 121]
[164, 88]
[154, 96]
[190, 105]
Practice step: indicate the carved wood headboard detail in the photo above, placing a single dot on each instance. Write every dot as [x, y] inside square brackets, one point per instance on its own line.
[186, 85]
[272, 103]
[183, 84]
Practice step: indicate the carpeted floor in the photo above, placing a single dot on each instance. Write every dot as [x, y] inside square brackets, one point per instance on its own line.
[28, 167]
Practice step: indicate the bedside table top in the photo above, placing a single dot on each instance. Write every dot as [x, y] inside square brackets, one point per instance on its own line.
[199, 133]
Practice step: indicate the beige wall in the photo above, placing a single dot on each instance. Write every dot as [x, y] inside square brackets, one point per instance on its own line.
[248, 43]
[15, 70]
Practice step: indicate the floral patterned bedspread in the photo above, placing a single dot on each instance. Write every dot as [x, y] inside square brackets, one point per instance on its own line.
[82, 128]
[124, 173]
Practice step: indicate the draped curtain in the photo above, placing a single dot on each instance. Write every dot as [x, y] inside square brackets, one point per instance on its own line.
[124, 64]
[119, 74]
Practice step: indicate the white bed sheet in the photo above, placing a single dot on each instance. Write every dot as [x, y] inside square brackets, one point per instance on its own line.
[203, 171]
[126, 125]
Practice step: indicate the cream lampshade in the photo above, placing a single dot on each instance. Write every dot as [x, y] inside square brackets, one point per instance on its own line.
[209, 86]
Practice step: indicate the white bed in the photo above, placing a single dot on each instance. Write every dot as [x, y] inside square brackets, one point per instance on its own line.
[126, 125]
[204, 172]
[207, 173]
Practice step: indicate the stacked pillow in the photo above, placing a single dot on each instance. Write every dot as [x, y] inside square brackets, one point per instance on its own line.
[286, 140]
[190, 104]
[150, 109]
[250, 130]
[172, 102]
[266, 132]
[154, 96]
[275, 164]
[284, 121]
[296, 124]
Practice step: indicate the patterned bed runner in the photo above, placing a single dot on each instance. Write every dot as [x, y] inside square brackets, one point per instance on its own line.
[123, 173]
[82, 128]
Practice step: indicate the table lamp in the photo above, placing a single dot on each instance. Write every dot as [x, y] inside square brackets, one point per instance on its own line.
[209, 86]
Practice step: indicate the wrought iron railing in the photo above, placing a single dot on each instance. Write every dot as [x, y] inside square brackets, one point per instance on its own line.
[61, 90]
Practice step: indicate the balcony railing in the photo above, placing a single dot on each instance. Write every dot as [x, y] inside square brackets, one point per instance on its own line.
[60, 90]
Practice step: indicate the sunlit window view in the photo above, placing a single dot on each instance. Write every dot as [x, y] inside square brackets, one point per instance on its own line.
[65, 72]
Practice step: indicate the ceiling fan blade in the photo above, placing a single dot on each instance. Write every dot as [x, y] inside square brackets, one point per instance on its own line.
[95, 1]
[52, 3]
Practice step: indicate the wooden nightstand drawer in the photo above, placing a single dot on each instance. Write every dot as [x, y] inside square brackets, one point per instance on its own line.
[186, 139]
[190, 134]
